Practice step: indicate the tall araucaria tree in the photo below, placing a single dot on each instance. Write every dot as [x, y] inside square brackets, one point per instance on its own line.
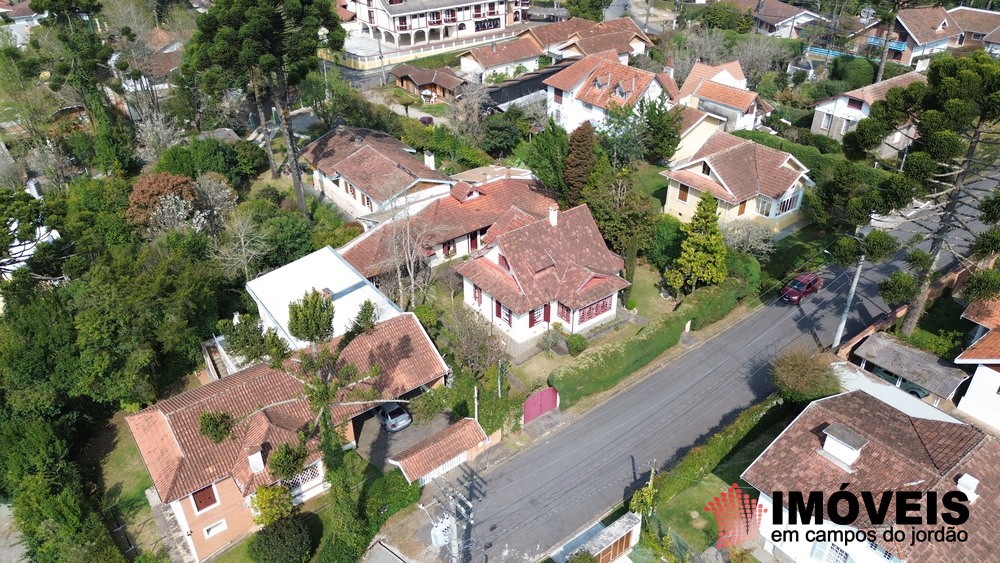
[278, 39]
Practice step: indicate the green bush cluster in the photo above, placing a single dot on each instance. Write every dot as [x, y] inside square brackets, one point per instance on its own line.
[576, 343]
[603, 370]
[701, 460]
[285, 541]
[443, 143]
[388, 494]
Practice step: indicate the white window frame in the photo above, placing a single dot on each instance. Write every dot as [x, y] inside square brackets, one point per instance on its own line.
[505, 315]
[218, 500]
[210, 532]
[826, 122]
[795, 198]
[845, 126]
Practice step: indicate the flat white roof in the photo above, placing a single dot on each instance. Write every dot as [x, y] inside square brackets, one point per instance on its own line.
[853, 378]
[323, 269]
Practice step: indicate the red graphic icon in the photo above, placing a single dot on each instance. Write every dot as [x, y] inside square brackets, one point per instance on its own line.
[737, 516]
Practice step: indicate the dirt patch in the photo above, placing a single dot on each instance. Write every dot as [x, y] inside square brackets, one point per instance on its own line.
[697, 521]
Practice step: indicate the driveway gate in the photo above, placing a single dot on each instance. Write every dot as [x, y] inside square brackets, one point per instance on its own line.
[540, 403]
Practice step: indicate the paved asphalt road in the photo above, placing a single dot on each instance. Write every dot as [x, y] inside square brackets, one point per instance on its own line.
[531, 504]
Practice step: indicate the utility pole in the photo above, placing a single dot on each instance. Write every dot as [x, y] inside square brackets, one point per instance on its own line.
[850, 300]
[381, 57]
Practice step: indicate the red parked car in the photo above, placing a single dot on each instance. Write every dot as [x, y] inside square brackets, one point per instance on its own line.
[802, 285]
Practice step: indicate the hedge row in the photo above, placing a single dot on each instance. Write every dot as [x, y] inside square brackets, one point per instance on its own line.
[602, 370]
[701, 460]
[820, 165]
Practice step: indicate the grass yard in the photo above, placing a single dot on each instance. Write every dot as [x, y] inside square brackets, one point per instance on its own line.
[538, 368]
[798, 252]
[647, 179]
[941, 330]
[437, 110]
[646, 292]
[437, 61]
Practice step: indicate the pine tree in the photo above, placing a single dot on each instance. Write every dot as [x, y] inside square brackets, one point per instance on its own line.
[703, 252]
[311, 318]
[579, 164]
[547, 155]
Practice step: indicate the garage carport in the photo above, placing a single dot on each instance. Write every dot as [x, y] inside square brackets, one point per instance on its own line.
[939, 377]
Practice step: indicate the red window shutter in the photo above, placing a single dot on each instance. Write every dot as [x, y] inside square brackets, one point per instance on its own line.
[547, 314]
[474, 240]
[499, 307]
[531, 318]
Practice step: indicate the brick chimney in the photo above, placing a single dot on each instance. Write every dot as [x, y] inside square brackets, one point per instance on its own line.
[554, 215]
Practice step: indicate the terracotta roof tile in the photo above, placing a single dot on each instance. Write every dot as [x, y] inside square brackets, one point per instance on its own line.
[19, 10]
[426, 456]
[875, 92]
[701, 183]
[159, 39]
[702, 72]
[984, 313]
[270, 409]
[448, 218]
[344, 14]
[669, 85]
[552, 33]
[573, 266]
[747, 168]
[689, 118]
[444, 77]
[593, 44]
[726, 95]
[773, 11]
[902, 453]
[376, 162]
[520, 49]
[924, 24]
[973, 20]
[993, 37]
[569, 77]
[986, 349]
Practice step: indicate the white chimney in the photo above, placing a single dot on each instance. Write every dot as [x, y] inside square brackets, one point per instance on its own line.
[429, 159]
[256, 460]
[843, 444]
[554, 215]
[967, 484]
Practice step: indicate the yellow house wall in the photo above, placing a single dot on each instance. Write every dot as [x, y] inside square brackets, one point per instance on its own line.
[690, 143]
[727, 212]
[232, 508]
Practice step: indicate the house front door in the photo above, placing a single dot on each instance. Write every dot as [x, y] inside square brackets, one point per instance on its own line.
[474, 240]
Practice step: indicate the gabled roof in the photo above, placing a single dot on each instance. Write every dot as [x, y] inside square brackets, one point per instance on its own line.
[668, 84]
[984, 350]
[159, 39]
[343, 13]
[925, 24]
[19, 10]
[444, 77]
[993, 37]
[603, 82]
[566, 262]
[592, 44]
[433, 452]
[903, 453]
[745, 168]
[773, 12]
[553, 33]
[270, 408]
[984, 313]
[923, 368]
[735, 98]
[448, 218]
[376, 162]
[875, 92]
[495, 54]
[690, 118]
[974, 20]
[701, 72]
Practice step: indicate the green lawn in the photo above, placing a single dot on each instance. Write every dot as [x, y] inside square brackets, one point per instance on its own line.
[646, 292]
[647, 179]
[941, 329]
[796, 253]
[684, 514]
[437, 110]
[437, 61]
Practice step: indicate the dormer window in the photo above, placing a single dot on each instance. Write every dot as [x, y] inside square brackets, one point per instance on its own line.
[706, 169]
[621, 92]
[502, 261]
[944, 24]
[598, 84]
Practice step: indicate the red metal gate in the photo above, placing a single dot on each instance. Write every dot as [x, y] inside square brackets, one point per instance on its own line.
[540, 403]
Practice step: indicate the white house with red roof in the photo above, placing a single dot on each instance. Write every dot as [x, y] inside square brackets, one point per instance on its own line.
[588, 89]
[366, 171]
[779, 19]
[837, 116]
[857, 443]
[722, 90]
[982, 399]
[22, 20]
[750, 181]
[446, 228]
[208, 486]
[979, 27]
[531, 273]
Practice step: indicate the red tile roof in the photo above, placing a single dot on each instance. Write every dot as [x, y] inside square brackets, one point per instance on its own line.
[444, 77]
[701, 72]
[552, 33]
[343, 13]
[701, 183]
[746, 168]
[924, 24]
[159, 39]
[984, 313]
[270, 409]
[973, 20]
[593, 44]
[875, 92]
[742, 100]
[376, 162]
[669, 85]
[901, 453]
[20, 10]
[689, 118]
[604, 83]
[496, 54]
[984, 350]
[568, 262]
[448, 218]
[773, 11]
[426, 456]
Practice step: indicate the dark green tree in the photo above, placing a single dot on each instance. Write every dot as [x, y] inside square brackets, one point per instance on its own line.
[501, 134]
[546, 156]
[703, 252]
[623, 214]
[661, 129]
[666, 245]
[623, 137]
[311, 318]
[579, 164]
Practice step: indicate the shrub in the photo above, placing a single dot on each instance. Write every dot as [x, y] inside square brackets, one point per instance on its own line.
[576, 343]
[667, 238]
[216, 426]
[715, 302]
[285, 541]
[388, 494]
[802, 375]
[745, 268]
[287, 460]
[272, 503]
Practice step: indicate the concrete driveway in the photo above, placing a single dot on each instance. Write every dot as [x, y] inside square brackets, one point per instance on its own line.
[11, 548]
[377, 445]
